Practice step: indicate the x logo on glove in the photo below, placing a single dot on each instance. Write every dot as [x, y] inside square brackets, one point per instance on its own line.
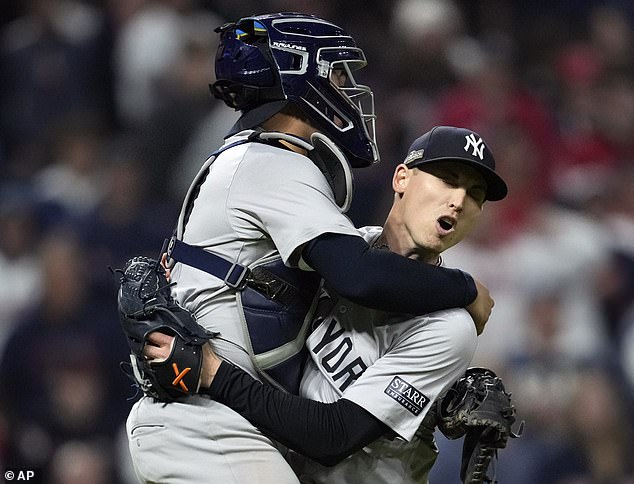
[179, 377]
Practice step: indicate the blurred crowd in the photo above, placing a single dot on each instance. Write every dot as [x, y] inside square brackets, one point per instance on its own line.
[106, 115]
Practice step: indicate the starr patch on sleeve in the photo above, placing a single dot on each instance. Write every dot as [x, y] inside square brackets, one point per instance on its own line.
[406, 395]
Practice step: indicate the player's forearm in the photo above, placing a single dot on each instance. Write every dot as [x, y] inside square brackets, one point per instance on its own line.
[325, 432]
[384, 280]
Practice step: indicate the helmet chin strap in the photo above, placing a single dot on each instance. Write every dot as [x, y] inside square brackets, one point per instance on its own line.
[330, 160]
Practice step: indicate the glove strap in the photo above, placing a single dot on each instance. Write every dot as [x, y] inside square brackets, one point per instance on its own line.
[476, 459]
[180, 373]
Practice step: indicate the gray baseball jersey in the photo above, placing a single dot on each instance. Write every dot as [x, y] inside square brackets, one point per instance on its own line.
[394, 366]
[257, 202]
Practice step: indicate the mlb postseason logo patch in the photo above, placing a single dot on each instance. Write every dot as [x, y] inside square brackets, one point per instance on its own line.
[413, 156]
[406, 395]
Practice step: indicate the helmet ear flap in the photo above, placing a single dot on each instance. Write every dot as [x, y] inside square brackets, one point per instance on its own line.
[235, 95]
[242, 96]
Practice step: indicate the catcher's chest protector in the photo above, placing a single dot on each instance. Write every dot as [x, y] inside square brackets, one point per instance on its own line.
[277, 319]
[276, 303]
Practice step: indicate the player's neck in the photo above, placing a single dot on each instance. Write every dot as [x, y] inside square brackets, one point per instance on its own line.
[286, 123]
[400, 243]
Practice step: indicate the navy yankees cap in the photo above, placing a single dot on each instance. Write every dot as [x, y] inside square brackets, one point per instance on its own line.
[448, 143]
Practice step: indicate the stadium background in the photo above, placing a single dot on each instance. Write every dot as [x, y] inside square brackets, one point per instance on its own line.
[105, 114]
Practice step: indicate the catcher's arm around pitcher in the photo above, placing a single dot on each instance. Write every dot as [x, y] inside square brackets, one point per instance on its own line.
[476, 407]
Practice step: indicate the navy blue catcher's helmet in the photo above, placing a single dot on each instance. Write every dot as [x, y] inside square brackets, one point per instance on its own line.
[264, 62]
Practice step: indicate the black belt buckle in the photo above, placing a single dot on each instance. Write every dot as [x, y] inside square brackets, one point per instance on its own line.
[265, 287]
[269, 286]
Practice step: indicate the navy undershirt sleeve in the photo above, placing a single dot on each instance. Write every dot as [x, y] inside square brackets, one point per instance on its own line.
[384, 280]
[325, 432]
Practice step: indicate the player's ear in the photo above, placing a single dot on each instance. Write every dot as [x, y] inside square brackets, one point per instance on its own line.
[401, 178]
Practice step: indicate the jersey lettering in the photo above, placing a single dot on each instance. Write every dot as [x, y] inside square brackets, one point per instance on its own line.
[326, 360]
[332, 361]
[350, 371]
[329, 336]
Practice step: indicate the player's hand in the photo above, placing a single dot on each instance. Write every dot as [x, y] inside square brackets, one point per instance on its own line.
[480, 309]
[159, 347]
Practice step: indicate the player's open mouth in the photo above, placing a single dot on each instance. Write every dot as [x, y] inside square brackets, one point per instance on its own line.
[446, 225]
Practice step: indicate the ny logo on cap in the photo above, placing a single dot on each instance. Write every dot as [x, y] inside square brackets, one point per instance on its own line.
[478, 146]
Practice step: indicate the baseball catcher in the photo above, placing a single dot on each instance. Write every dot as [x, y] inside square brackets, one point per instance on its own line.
[478, 407]
[145, 305]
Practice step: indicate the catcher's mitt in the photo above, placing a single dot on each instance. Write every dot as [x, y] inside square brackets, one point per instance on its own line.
[477, 407]
[146, 305]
